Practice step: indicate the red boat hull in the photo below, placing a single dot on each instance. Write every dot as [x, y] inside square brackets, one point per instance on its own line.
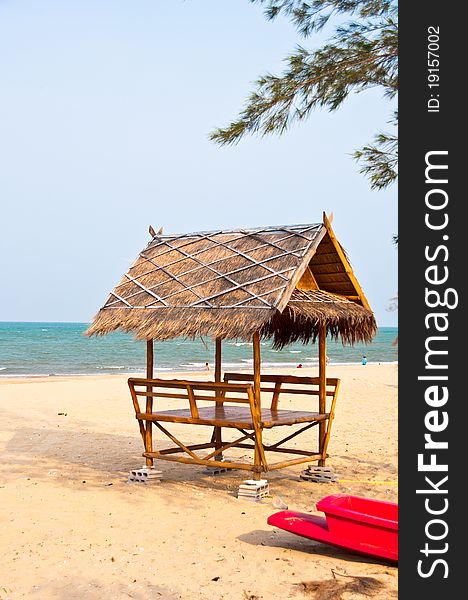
[359, 524]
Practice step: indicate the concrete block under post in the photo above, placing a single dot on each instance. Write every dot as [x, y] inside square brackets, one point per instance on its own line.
[217, 469]
[319, 474]
[145, 475]
[253, 489]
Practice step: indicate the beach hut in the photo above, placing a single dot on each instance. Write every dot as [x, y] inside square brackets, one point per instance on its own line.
[284, 284]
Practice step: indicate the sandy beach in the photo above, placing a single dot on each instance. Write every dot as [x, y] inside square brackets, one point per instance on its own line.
[72, 527]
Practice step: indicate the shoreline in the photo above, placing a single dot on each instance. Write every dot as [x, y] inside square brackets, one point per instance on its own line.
[171, 373]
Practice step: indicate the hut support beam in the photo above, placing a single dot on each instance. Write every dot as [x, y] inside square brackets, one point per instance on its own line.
[218, 359]
[217, 433]
[322, 390]
[258, 452]
[149, 401]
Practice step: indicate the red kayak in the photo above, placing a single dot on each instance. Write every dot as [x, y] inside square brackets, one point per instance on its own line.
[359, 524]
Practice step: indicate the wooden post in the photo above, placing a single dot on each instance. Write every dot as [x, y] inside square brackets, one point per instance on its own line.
[322, 389]
[149, 400]
[218, 359]
[217, 433]
[256, 386]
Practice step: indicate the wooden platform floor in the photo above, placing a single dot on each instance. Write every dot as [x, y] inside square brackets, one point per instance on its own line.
[234, 416]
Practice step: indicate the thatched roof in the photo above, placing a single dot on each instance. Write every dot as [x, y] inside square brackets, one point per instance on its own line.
[282, 281]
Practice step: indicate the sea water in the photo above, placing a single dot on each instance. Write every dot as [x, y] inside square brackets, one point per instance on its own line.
[42, 349]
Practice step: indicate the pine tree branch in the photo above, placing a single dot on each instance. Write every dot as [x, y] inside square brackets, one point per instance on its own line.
[362, 53]
[379, 162]
[312, 16]
[322, 78]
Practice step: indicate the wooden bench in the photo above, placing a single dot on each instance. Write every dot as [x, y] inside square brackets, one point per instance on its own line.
[231, 404]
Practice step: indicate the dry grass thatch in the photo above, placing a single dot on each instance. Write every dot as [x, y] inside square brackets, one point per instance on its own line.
[229, 284]
[306, 311]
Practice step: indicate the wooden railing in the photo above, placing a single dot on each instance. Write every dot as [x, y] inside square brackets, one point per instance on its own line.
[189, 391]
[275, 385]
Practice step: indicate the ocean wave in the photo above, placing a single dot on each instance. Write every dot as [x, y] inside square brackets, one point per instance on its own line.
[175, 368]
[23, 375]
[271, 365]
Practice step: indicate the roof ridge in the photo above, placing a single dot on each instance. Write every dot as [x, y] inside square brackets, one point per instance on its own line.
[247, 230]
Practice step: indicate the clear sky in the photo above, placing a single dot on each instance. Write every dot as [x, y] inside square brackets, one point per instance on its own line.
[105, 111]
